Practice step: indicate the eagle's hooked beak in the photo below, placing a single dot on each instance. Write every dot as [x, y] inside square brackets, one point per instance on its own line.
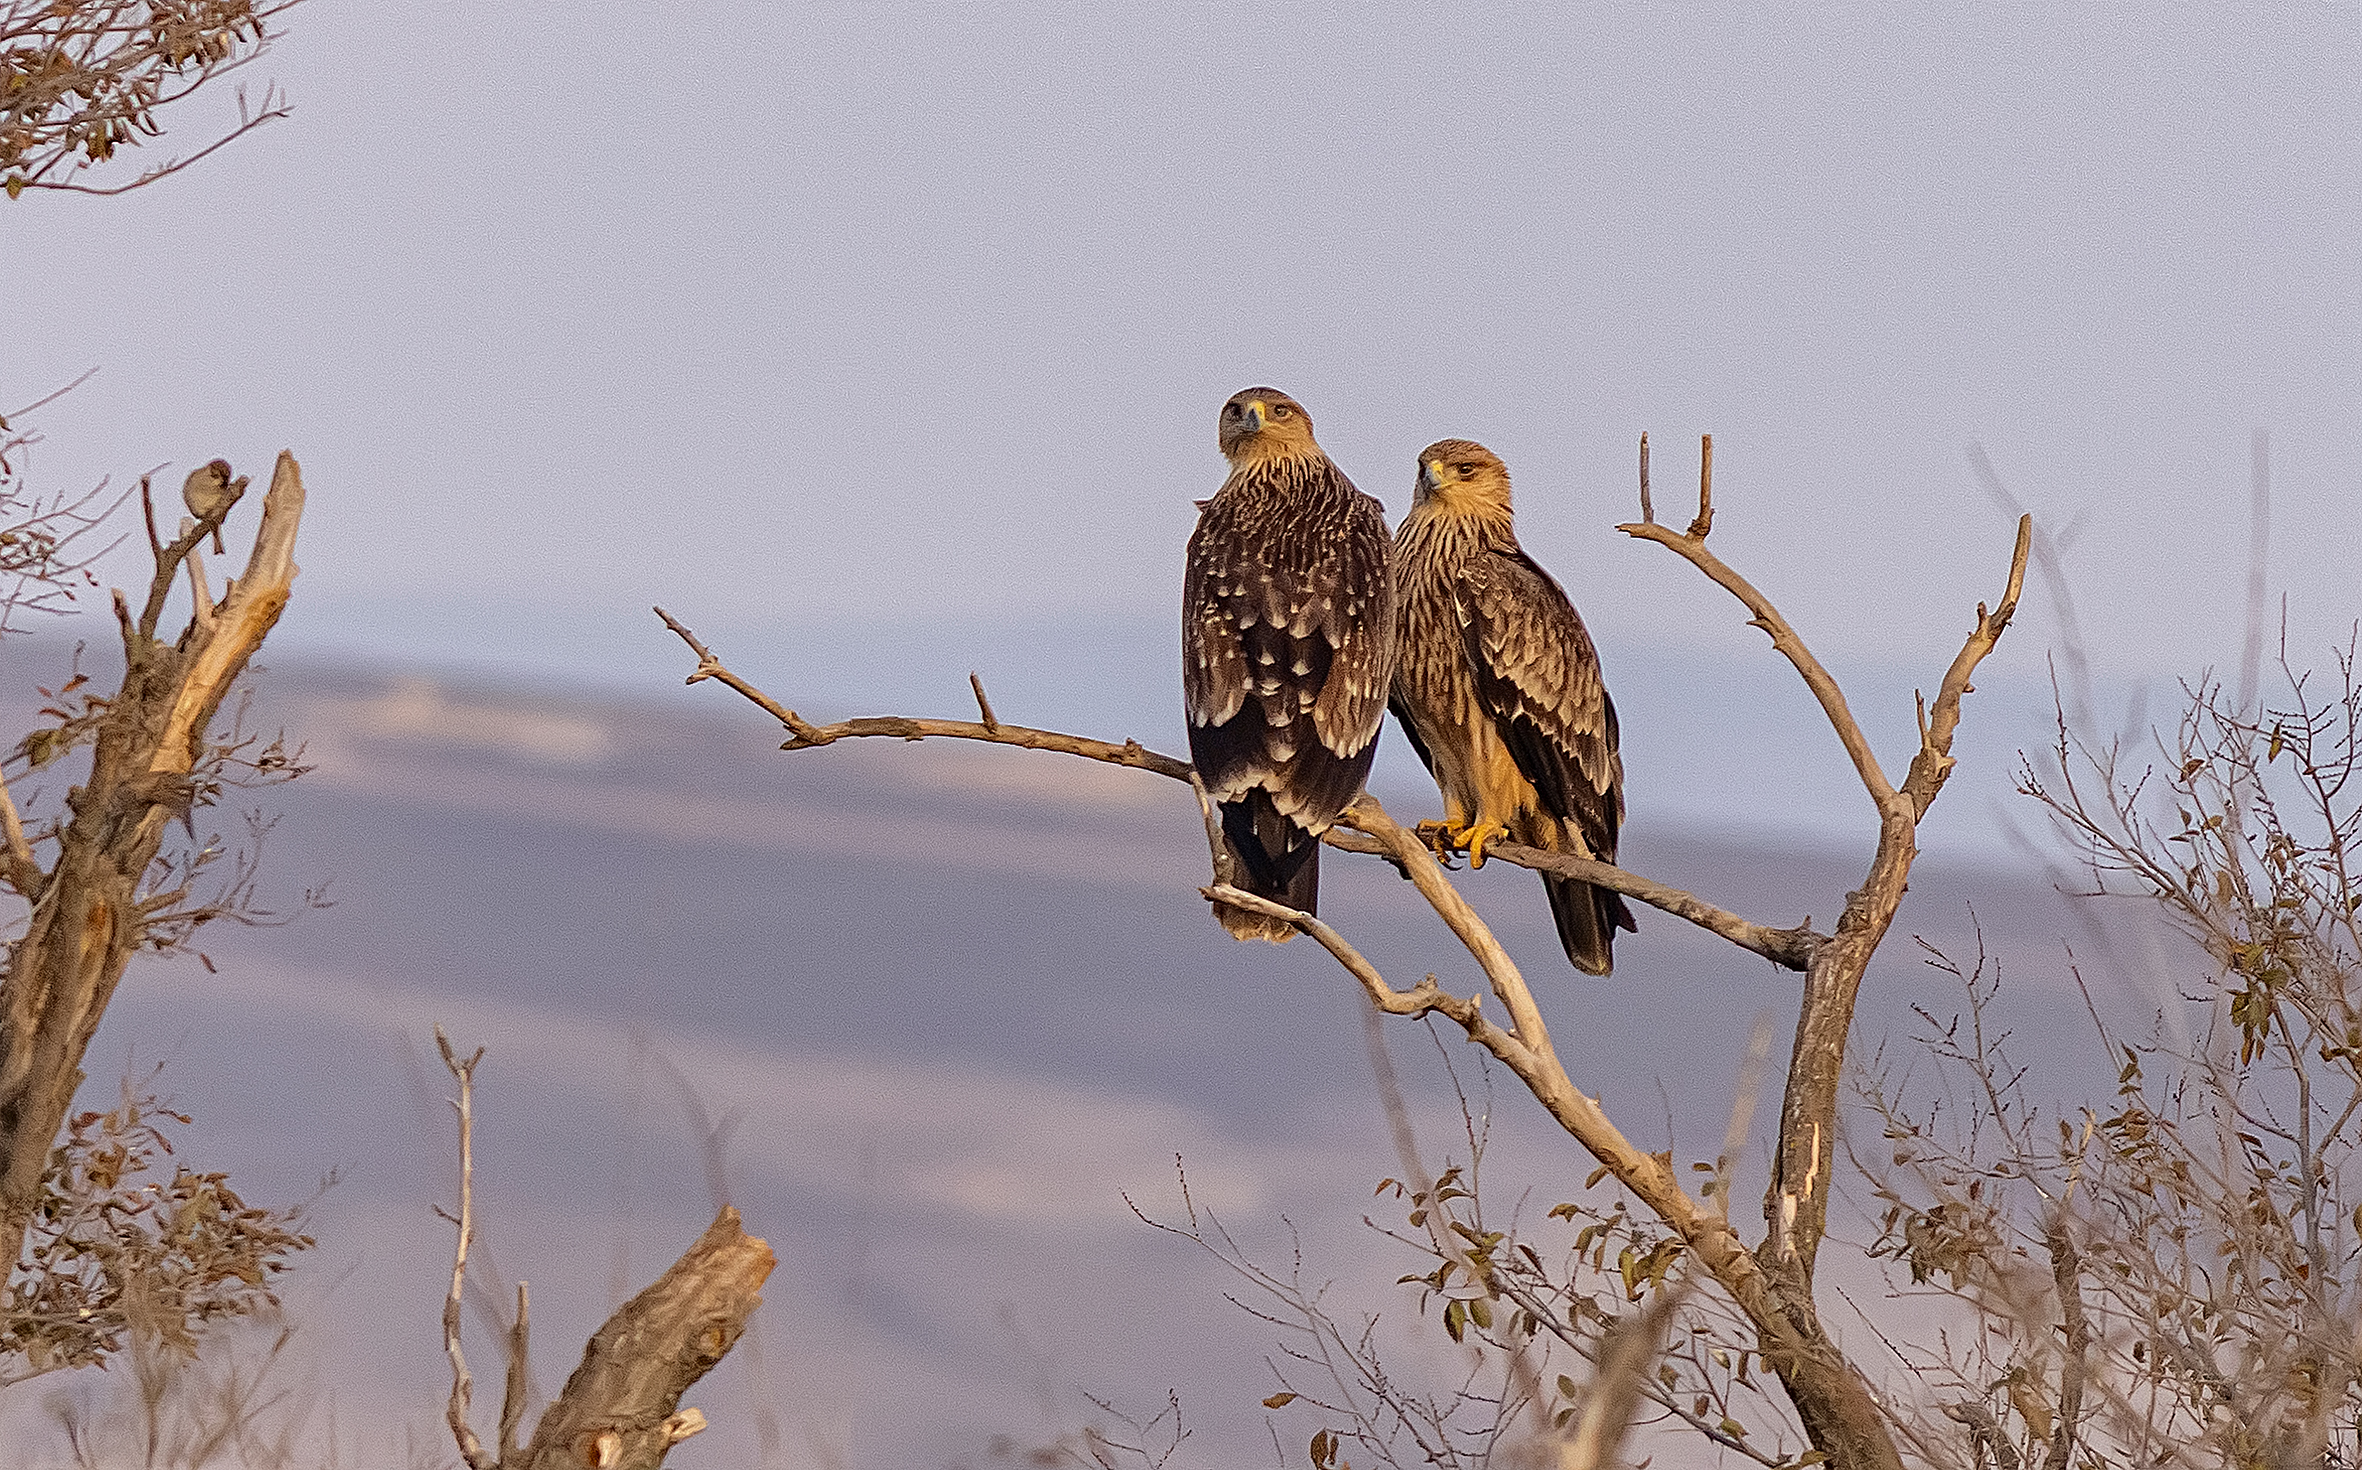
[1256, 414]
[1430, 474]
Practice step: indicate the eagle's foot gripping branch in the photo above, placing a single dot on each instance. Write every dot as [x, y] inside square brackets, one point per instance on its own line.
[1447, 838]
[1444, 840]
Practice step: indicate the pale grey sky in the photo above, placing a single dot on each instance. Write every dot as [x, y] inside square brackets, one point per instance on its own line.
[812, 320]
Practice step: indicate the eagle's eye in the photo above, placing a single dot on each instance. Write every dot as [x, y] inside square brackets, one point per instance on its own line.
[1279, 411]
[1467, 469]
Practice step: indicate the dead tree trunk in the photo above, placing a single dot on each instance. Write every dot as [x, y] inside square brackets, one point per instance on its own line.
[621, 1406]
[152, 761]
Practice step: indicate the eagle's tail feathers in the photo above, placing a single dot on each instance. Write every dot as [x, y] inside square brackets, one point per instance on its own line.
[1275, 859]
[1587, 917]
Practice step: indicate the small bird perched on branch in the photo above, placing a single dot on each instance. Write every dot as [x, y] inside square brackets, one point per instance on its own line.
[1498, 687]
[1287, 643]
[209, 492]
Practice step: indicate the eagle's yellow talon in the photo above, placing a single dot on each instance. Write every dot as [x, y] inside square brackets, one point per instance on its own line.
[1475, 837]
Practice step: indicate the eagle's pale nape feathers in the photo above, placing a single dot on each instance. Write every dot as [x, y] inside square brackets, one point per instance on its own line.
[1498, 686]
[1287, 645]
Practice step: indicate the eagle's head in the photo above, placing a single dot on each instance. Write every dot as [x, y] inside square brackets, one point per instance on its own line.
[1462, 477]
[1260, 424]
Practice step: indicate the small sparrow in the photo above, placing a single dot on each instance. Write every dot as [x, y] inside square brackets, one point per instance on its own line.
[209, 492]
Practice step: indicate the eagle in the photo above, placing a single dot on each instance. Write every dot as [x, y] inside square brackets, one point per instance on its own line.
[1498, 687]
[1287, 646]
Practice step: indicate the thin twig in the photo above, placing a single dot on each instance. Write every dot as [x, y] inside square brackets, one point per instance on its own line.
[709, 667]
[147, 515]
[48, 398]
[983, 705]
[471, 1449]
[1934, 761]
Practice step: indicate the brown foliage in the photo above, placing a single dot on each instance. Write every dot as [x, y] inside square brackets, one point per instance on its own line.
[118, 1247]
[2171, 1275]
[80, 79]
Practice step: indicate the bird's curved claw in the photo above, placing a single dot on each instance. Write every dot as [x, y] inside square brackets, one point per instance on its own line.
[1448, 838]
[1441, 838]
[1475, 836]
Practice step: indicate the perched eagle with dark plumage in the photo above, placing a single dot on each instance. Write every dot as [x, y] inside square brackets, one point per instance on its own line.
[1498, 687]
[1287, 645]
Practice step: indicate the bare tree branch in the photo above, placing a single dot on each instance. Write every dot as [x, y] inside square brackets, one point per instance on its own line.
[1691, 547]
[1791, 948]
[471, 1449]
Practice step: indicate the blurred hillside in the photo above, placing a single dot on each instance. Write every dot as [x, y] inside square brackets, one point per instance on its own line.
[947, 1007]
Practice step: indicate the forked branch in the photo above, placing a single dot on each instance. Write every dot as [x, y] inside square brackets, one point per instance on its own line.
[1703, 1228]
[1933, 761]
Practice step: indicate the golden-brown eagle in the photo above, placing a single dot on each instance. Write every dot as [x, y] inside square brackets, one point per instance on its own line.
[1498, 687]
[1287, 643]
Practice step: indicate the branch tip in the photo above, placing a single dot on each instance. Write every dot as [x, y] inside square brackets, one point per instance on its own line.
[1648, 512]
[1705, 521]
